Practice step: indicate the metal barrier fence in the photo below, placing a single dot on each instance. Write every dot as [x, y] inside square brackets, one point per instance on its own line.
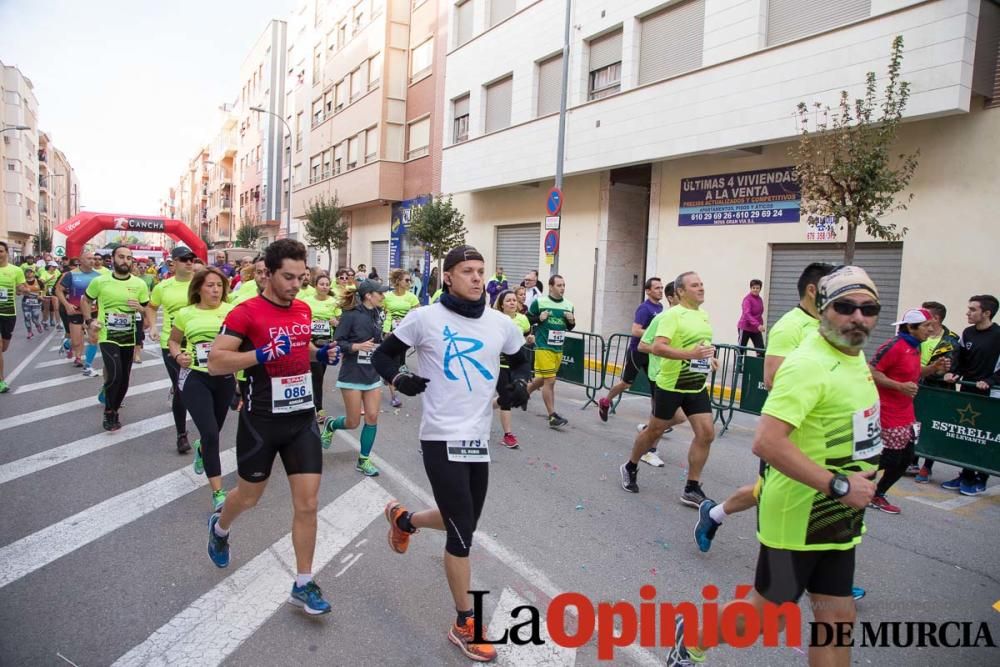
[583, 363]
[737, 385]
[614, 365]
[959, 427]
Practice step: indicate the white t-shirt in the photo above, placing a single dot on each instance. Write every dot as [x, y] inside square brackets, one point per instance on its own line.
[461, 358]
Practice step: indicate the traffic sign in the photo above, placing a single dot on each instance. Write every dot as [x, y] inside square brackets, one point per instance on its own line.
[552, 222]
[551, 242]
[553, 201]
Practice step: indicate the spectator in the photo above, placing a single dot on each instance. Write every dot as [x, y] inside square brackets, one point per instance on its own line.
[751, 324]
[496, 284]
[373, 275]
[434, 282]
[532, 290]
[937, 356]
[362, 273]
[520, 293]
[416, 284]
[222, 264]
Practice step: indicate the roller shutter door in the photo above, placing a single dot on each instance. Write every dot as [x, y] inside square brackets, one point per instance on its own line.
[791, 19]
[882, 261]
[518, 248]
[380, 259]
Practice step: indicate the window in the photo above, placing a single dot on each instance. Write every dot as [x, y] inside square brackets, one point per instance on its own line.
[341, 92]
[314, 167]
[605, 66]
[419, 138]
[356, 84]
[298, 131]
[328, 103]
[498, 101]
[460, 131]
[463, 22]
[359, 16]
[11, 165]
[549, 85]
[789, 19]
[327, 154]
[341, 35]
[371, 144]
[317, 112]
[499, 10]
[671, 41]
[338, 158]
[352, 152]
[374, 70]
[317, 63]
[331, 40]
[421, 58]
[296, 178]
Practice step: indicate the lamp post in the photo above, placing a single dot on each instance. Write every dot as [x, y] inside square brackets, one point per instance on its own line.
[10, 128]
[281, 158]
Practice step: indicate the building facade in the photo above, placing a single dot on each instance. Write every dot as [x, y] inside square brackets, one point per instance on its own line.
[19, 220]
[667, 100]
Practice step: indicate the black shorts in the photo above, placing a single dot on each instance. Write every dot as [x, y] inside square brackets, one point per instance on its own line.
[460, 492]
[666, 403]
[7, 327]
[635, 361]
[295, 438]
[503, 379]
[783, 575]
[73, 319]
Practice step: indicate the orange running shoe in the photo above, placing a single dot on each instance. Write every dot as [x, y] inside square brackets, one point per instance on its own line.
[399, 539]
[461, 636]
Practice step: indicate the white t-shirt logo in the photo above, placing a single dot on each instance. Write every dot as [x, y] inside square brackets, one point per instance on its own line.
[452, 354]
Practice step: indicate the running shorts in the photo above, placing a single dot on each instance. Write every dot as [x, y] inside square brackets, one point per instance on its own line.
[460, 492]
[668, 401]
[547, 363]
[635, 361]
[295, 438]
[783, 575]
[7, 327]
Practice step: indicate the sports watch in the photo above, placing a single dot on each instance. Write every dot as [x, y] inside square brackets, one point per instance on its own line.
[840, 486]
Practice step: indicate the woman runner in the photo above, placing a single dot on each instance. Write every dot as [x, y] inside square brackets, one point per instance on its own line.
[325, 314]
[397, 304]
[507, 304]
[31, 302]
[206, 397]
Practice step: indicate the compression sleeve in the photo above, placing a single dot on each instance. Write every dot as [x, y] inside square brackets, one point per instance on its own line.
[385, 356]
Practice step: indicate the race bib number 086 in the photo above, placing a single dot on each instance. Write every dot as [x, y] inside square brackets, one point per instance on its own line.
[291, 394]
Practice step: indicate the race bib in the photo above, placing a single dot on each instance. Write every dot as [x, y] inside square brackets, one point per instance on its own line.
[468, 451]
[321, 329]
[365, 358]
[120, 321]
[291, 394]
[182, 377]
[867, 433]
[32, 301]
[4, 295]
[556, 337]
[701, 366]
[395, 323]
[201, 353]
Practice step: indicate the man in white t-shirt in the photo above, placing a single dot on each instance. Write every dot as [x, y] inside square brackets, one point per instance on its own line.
[459, 341]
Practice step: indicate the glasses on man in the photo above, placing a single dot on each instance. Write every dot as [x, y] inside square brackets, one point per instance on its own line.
[848, 308]
[186, 260]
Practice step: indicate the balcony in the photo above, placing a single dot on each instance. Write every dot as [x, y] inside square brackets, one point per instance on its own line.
[43, 157]
[43, 183]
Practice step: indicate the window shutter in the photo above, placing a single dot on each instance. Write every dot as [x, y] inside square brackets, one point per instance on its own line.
[463, 22]
[549, 85]
[499, 10]
[605, 50]
[671, 41]
[498, 102]
[462, 106]
[791, 19]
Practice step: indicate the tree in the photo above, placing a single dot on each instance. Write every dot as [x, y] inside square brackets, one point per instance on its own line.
[247, 235]
[325, 226]
[845, 166]
[437, 226]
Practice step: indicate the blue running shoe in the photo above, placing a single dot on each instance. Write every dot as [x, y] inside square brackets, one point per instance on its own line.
[952, 484]
[970, 489]
[218, 547]
[981, 487]
[857, 592]
[310, 598]
[704, 530]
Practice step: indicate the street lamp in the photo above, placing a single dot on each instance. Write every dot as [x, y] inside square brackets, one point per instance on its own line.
[8, 128]
[288, 209]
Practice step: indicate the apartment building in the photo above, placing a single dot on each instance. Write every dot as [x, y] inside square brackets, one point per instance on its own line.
[64, 186]
[220, 229]
[191, 195]
[667, 98]
[19, 182]
[364, 107]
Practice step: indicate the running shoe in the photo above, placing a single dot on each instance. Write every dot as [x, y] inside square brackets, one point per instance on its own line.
[326, 437]
[321, 417]
[880, 503]
[923, 476]
[555, 421]
[199, 463]
[462, 637]
[981, 487]
[100, 396]
[912, 470]
[970, 489]
[45, 325]
[38, 328]
[693, 498]
[396, 403]
[629, 478]
[399, 539]
[30, 334]
[218, 547]
[509, 441]
[78, 362]
[310, 599]
[952, 484]
[365, 466]
[857, 592]
[681, 655]
[116, 423]
[183, 446]
[603, 407]
[108, 423]
[642, 427]
[66, 348]
[652, 459]
[218, 500]
[88, 371]
[704, 530]
[4, 387]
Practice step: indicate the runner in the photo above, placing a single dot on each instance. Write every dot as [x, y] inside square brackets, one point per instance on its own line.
[140, 327]
[343, 280]
[120, 297]
[53, 274]
[507, 304]
[459, 342]
[397, 304]
[552, 316]
[820, 436]
[635, 360]
[11, 280]
[268, 336]
[206, 397]
[357, 336]
[325, 313]
[684, 339]
[251, 288]
[172, 294]
[70, 291]
[646, 347]
[42, 276]
[31, 302]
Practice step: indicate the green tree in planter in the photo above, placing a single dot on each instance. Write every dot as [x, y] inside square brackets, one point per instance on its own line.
[325, 227]
[437, 226]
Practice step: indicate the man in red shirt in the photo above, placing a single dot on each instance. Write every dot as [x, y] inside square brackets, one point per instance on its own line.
[896, 371]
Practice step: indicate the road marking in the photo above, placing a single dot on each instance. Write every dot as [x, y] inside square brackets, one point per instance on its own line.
[54, 362]
[49, 544]
[79, 404]
[353, 560]
[79, 377]
[215, 625]
[36, 462]
[548, 654]
[28, 359]
[955, 503]
[511, 559]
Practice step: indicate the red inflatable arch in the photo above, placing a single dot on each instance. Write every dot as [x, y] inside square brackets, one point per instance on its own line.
[86, 225]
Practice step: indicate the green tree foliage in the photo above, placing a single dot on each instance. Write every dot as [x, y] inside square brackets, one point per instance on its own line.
[437, 226]
[846, 166]
[325, 227]
[247, 235]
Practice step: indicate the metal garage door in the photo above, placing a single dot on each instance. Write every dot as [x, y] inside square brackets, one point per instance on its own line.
[518, 247]
[882, 261]
[380, 259]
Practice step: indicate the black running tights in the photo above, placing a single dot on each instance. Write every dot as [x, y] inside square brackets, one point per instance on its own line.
[117, 368]
[207, 398]
[177, 403]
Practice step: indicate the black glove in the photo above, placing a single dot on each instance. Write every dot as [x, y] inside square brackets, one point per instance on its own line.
[516, 394]
[410, 384]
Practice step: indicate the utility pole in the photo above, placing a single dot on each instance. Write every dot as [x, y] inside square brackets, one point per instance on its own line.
[561, 144]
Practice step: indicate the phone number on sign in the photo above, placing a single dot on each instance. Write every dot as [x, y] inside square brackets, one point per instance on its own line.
[738, 215]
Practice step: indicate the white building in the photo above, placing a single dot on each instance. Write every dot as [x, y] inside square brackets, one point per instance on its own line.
[19, 216]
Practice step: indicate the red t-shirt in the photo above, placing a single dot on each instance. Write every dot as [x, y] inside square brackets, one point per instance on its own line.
[899, 361]
[257, 322]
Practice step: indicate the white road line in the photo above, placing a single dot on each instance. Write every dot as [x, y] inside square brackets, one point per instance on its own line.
[548, 654]
[215, 625]
[353, 560]
[955, 503]
[511, 559]
[28, 359]
[36, 462]
[49, 544]
[79, 404]
[58, 382]
[54, 362]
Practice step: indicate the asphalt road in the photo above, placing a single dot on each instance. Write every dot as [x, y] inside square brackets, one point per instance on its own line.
[102, 540]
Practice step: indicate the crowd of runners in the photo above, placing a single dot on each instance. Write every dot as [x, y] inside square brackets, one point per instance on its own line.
[836, 432]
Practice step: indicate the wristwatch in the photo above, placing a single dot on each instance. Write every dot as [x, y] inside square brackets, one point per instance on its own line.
[839, 486]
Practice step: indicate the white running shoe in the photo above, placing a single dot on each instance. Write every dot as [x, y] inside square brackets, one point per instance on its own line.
[652, 459]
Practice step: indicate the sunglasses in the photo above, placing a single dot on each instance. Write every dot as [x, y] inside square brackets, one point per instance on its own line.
[185, 259]
[848, 308]
[406, 280]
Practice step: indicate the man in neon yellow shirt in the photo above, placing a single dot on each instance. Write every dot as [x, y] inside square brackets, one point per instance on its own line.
[11, 282]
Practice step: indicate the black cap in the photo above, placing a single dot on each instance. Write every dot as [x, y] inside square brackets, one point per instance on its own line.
[368, 286]
[181, 252]
[462, 253]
